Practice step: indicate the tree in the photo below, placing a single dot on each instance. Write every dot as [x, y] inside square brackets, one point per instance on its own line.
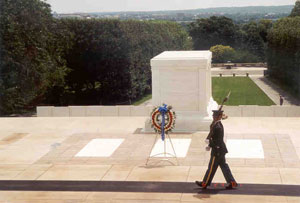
[222, 54]
[264, 26]
[213, 31]
[252, 40]
[30, 55]
[296, 9]
[283, 54]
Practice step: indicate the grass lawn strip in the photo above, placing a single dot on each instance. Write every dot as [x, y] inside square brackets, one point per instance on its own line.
[243, 91]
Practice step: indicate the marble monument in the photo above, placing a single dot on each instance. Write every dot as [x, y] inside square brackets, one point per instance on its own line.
[182, 79]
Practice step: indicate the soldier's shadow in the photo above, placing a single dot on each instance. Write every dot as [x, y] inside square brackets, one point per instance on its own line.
[205, 194]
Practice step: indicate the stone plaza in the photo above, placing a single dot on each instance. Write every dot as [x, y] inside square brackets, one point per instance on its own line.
[46, 149]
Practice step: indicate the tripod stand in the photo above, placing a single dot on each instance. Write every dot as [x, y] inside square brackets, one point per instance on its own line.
[163, 110]
[165, 155]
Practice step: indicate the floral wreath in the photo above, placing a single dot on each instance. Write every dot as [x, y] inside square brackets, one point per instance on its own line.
[156, 119]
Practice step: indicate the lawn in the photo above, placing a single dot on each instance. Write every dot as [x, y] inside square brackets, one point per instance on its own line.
[243, 91]
[142, 100]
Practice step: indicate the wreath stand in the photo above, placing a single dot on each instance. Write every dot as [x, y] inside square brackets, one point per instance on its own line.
[163, 111]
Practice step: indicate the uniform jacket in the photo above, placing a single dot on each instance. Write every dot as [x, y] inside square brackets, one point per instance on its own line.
[216, 142]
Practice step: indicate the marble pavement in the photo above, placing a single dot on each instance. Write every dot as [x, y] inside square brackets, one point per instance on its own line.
[48, 149]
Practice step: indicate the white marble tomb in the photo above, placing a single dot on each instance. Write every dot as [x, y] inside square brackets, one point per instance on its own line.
[182, 79]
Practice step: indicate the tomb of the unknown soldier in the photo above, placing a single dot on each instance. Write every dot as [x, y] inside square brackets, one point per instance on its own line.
[183, 79]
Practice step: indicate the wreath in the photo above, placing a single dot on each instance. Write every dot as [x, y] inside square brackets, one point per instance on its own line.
[156, 119]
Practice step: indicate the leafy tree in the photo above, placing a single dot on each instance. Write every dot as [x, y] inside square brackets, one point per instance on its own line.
[213, 31]
[30, 55]
[284, 52]
[296, 9]
[252, 40]
[222, 54]
[244, 56]
[264, 27]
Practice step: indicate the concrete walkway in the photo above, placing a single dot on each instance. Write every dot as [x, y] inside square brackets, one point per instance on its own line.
[46, 149]
[273, 91]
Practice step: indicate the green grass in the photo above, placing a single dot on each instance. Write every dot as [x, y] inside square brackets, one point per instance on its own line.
[142, 100]
[243, 91]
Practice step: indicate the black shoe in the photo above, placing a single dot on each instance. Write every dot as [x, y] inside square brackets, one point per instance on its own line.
[201, 184]
[232, 185]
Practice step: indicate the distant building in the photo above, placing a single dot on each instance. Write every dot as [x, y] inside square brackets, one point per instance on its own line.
[180, 15]
[73, 15]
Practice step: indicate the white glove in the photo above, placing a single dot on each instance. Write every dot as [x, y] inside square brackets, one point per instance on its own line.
[207, 148]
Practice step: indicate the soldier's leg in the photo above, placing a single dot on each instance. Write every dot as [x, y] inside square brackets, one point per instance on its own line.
[213, 172]
[226, 170]
[212, 168]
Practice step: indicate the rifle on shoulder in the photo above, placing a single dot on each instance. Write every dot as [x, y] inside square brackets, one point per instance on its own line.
[213, 122]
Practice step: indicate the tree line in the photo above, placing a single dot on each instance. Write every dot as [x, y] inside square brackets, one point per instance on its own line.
[237, 42]
[47, 61]
[283, 53]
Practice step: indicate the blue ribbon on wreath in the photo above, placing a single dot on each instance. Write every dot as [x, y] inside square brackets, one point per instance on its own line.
[163, 110]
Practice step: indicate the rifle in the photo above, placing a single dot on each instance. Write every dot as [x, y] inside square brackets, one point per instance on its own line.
[213, 122]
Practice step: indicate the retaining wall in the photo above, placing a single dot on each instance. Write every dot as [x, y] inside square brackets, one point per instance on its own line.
[238, 71]
[144, 111]
[240, 64]
[262, 111]
[93, 111]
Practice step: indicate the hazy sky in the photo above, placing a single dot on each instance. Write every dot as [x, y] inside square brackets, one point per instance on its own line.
[70, 6]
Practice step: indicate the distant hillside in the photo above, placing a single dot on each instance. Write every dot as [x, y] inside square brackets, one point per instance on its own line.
[223, 10]
[237, 14]
[248, 9]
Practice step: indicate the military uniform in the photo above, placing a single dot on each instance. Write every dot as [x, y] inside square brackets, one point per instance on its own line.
[217, 157]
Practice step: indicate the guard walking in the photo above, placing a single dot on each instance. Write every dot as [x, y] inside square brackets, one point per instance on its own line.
[281, 100]
[218, 152]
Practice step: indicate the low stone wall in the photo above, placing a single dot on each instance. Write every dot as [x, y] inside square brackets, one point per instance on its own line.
[241, 64]
[238, 71]
[235, 72]
[262, 111]
[144, 111]
[93, 111]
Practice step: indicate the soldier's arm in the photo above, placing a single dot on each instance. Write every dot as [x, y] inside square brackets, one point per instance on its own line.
[217, 138]
[211, 143]
[212, 137]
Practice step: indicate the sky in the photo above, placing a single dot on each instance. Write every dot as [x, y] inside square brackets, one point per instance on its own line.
[72, 6]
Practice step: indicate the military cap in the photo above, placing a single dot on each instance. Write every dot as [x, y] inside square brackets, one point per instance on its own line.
[217, 112]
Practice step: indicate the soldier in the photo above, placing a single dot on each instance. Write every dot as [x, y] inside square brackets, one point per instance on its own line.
[217, 157]
[280, 100]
